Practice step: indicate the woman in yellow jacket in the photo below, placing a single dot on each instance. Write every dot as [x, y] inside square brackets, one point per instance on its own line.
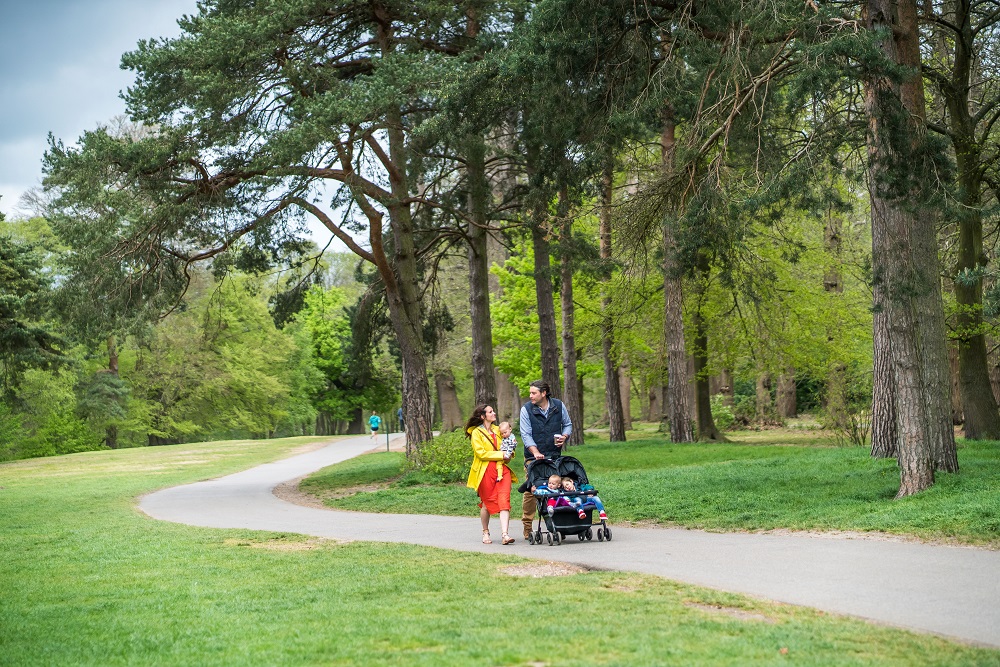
[494, 494]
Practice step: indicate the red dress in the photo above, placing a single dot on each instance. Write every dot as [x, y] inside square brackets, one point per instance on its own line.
[494, 495]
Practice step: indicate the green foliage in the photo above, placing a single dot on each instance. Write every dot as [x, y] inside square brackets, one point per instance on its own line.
[447, 457]
[351, 379]
[49, 416]
[515, 319]
[221, 367]
[103, 399]
[722, 413]
[24, 341]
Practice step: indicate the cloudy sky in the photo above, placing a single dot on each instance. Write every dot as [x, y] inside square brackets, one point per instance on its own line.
[60, 73]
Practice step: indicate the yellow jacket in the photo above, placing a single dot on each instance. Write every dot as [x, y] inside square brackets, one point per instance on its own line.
[483, 453]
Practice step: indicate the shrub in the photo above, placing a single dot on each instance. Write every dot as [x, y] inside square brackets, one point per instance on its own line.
[722, 414]
[446, 457]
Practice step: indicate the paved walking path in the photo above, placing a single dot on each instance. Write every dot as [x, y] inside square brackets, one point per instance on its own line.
[952, 591]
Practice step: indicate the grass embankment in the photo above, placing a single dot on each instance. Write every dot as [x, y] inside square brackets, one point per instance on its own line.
[86, 579]
[765, 480]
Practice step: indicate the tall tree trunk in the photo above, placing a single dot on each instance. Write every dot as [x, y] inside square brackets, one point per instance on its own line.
[726, 387]
[707, 430]
[451, 413]
[957, 417]
[546, 306]
[885, 433]
[993, 360]
[403, 298]
[111, 432]
[612, 384]
[625, 389]
[571, 397]
[836, 385]
[508, 395]
[764, 404]
[894, 112]
[979, 407]
[483, 379]
[785, 402]
[655, 410]
[357, 423]
[929, 304]
[676, 401]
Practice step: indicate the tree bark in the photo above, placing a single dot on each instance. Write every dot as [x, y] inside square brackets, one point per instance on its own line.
[957, 417]
[929, 306]
[993, 361]
[726, 387]
[451, 413]
[707, 431]
[484, 382]
[111, 432]
[547, 335]
[896, 218]
[885, 434]
[403, 298]
[785, 403]
[979, 406]
[508, 395]
[836, 384]
[571, 396]
[764, 404]
[625, 390]
[655, 409]
[676, 395]
[612, 384]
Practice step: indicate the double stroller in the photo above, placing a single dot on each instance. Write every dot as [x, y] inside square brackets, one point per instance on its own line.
[564, 520]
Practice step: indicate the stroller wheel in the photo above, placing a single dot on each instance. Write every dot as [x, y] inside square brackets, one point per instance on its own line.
[538, 536]
[582, 536]
[607, 534]
[600, 535]
[590, 534]
[531, 538]
[549, 538]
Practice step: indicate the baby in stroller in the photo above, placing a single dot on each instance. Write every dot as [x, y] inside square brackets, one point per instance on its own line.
[569, 486]
[562, 488]
[552, 492]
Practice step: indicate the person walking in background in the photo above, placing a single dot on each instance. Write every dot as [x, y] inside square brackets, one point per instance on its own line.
[374, 422]
[490, 476]
[399, 416]
[545, 425]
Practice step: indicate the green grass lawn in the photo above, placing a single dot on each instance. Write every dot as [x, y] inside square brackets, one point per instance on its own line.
[763, 480]
[86, 579]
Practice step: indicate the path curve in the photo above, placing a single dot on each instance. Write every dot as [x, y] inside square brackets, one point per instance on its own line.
[951, 591]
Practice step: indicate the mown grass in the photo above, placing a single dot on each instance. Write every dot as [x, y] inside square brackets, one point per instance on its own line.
[86, 579]
[767, 480]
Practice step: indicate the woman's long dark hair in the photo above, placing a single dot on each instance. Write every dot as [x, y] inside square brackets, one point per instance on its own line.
[476, 419]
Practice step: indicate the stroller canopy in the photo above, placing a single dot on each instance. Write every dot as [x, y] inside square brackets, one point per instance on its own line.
[540, 470]
[572, 468]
